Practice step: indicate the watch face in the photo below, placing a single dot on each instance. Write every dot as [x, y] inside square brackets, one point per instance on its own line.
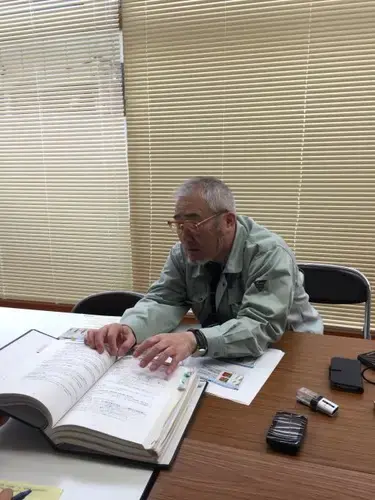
[199, 352]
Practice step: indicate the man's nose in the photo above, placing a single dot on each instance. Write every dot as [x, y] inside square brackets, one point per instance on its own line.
[187, 238]
[186, 232]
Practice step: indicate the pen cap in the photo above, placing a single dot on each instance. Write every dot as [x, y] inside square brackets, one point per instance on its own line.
[305, 396]
[326, 406]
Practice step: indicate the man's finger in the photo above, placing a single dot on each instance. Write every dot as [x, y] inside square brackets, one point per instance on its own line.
[6, 494]
[89, 338]
[175, 361]
[161, 359]
[3, 419]
[114, 331]
[126, 345]
[99, 338]
[152, 353]
[146, 344]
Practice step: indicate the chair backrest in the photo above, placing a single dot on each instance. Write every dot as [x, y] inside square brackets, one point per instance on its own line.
[331, 284]
[107, 303]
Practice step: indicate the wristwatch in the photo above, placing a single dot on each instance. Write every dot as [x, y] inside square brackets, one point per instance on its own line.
[202, 346]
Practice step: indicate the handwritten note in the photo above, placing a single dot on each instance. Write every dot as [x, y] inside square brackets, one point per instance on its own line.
[37, 492]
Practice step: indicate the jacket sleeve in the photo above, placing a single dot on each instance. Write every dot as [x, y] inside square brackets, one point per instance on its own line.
[164, 305]
[262, 317]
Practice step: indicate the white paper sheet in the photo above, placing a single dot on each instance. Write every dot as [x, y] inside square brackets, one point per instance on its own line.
[253, 378]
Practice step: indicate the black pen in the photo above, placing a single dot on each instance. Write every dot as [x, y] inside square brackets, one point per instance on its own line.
[21, 495]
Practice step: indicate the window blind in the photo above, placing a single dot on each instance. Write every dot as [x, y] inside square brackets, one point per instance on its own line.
[64, 227]
[276, 98]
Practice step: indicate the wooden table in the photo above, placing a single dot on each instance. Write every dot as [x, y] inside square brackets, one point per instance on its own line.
[224, 455]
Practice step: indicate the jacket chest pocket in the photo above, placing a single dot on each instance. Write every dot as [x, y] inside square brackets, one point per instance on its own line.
[198, 298]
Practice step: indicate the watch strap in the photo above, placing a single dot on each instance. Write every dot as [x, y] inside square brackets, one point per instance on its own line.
[201, 340]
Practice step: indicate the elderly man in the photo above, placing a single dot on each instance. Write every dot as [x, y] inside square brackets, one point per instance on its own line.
[240, 279]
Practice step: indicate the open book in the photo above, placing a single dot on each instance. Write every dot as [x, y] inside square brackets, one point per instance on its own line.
[85, 401]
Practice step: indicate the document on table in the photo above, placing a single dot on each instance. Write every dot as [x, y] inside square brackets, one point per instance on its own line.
[37, 492]
[238, 381]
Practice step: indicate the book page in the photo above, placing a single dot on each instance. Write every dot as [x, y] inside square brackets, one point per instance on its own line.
[32, 343]
[66, 371]
[127, 402]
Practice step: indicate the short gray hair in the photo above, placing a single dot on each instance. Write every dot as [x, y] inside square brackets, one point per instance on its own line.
[217, 195]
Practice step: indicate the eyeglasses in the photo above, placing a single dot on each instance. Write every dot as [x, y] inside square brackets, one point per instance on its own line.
[178, 226]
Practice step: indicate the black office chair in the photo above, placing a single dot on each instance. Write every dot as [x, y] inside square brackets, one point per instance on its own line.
[107, 303]
[331, 284]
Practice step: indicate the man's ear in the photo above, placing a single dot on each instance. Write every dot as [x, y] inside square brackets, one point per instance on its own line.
[230, 219]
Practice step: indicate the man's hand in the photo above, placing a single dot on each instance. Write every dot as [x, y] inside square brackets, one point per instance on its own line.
[177, 346]
[119, 338]
[6, 494]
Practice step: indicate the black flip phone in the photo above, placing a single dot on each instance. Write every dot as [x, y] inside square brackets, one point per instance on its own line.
[345, 375]
[287, 432]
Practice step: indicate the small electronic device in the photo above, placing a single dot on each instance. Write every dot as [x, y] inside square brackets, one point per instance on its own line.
[287, 432]
[316, 401]
[345, 375]
[367, 359]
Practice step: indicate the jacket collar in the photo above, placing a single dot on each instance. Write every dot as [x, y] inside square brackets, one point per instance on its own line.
[235, 260]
